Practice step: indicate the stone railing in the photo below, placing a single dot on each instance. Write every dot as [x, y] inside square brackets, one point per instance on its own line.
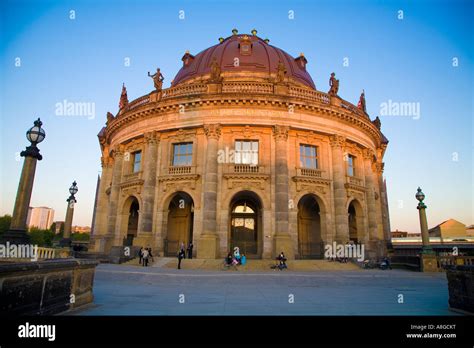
[45, 287]
[461, 288]
[245, 168]
[310, 172]
[310, 94]
[247, 87]
[180, 170]
[139, 101]
[353, 180]
[184, 90]
[46, 253]
[446, 261]
[351, 107]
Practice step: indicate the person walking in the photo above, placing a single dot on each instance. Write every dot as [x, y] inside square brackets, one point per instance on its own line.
[150, 255]
[181, 255]
[190, 250]
[145, 257]
[140, 255]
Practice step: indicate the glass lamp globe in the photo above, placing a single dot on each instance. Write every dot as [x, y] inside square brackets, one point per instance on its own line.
[420, 196]
[36, 134]
[73, 189]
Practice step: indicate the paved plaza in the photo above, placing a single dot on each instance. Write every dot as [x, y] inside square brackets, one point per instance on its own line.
[133, 290]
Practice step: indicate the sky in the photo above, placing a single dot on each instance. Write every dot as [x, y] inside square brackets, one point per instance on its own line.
[418, 52]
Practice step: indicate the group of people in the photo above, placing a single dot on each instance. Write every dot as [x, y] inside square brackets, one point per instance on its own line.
[182, 253]
[281, 262]
[235, 259]
[145, 255]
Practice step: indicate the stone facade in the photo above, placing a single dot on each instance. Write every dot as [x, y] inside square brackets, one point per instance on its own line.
[211, 188]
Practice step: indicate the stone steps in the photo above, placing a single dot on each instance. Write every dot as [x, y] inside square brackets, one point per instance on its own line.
[252, 265]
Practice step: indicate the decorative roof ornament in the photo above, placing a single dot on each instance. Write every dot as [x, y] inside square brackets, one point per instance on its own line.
[235, 31]
[267, 41]
[123, 98]
[361, 105]
[221, 40]
[333, 85]
[281, 72]
[215, 71]
[254, 32]
[158, 79]
[377, 123]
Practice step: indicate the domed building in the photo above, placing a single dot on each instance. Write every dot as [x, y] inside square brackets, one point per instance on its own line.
[242, 150]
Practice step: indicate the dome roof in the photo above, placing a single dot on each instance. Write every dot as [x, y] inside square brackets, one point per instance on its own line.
[254, 55]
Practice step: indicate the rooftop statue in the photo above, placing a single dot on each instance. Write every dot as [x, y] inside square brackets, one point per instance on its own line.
[158, 79]
[281, 72]
[215, 70]
[333, 84]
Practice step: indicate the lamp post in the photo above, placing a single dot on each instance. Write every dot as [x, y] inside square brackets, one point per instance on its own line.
[17, 233]
[66, 241]
[425, 237]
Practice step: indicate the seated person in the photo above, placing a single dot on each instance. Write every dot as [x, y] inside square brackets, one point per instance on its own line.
[243, 259]
[282, 261]
[228, 259]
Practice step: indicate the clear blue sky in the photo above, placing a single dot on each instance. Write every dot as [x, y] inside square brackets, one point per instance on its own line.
[82, 60]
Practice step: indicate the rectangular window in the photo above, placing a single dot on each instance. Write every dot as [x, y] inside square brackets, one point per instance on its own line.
[350, 165]
[246, 152]
[308, 156]
[137, 161]
[183, 154]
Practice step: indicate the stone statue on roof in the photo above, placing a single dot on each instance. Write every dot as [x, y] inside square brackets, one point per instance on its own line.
[158, 79]
[333, 85]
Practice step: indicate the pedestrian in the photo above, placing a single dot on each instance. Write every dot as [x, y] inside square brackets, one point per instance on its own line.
[182, 247]
[190, 250]
[181, 255]
[145, 257]
[140, 255]
[150, 255]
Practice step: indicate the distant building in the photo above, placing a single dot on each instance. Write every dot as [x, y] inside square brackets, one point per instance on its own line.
[40, 217]
[451, 229]
[59, 225]
[470, 231]
[399, 234]
[81, 229]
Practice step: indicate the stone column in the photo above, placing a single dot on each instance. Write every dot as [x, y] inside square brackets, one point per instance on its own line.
[383, 203]
[340, 195]
[114, 192]
[100, 222]
[282, 239]
[66, 240]
[145, 229]
[208, 243]
[371, 211]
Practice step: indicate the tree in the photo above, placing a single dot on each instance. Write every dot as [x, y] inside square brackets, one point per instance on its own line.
[5, 222]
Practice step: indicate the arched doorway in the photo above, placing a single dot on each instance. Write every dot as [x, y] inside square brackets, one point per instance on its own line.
[246, 224]
[180, 223]
[132, 221]
[310, 243]
[355, 222]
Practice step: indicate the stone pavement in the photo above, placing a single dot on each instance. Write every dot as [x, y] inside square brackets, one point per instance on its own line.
[132, 290]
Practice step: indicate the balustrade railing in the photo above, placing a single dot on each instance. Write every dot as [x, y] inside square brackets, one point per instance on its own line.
[179, 170]
[311, 172]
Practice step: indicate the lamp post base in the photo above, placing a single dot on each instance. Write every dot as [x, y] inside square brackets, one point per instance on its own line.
[427, 250]
[65, 243]
[15, 237]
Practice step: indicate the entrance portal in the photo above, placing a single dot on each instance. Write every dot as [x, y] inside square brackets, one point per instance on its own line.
[245, 224]
[180, 223]
[310, 244]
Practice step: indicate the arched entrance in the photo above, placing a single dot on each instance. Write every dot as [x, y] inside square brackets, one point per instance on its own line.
[310, 243]
[180, 223]
[355, 222]
[132, 220]
[246, 224]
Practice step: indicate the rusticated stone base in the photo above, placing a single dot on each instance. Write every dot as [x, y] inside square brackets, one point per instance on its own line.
[285, 244]
[461, 288]
[45, 287]
[208, 246]
[428, 263]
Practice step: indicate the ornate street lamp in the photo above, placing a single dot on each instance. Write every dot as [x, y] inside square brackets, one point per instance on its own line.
[425, 237]
[17, 233]
[66, 240]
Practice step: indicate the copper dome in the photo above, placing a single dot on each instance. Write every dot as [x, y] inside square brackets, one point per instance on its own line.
[254, 54]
